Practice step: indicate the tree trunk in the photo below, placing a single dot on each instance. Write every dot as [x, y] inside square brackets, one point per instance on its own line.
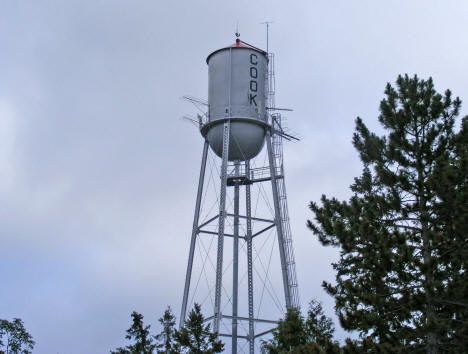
[431, 345]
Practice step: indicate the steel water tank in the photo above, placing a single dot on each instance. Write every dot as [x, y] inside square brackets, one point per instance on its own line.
[237, 91]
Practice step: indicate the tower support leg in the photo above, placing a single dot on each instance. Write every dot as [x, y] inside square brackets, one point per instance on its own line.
[278, 221]
[248, 209]
[235, 261]
[193, 240]
[222, 218]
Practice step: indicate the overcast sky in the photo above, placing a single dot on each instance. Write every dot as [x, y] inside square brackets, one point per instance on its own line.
[98, 172]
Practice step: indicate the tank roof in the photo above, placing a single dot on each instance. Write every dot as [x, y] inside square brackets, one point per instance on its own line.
[238, 44]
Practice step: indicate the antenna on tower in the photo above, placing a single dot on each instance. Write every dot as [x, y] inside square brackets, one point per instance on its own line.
[237, 29]
[267, 23]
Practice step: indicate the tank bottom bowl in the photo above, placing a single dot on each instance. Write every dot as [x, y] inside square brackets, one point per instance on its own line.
[246, 139]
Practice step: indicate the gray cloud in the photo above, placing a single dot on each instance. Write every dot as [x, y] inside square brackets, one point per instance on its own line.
[98, 172]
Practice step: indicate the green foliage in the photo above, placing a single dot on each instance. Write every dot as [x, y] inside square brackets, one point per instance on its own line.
[294, 334]
[192, 338]
[319, 327]
[166, 339]
[290, 333]
[401, 280]
[14, 338]
[140, 335]
[196, 338]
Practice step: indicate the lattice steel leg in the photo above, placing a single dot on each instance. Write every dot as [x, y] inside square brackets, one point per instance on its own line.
[235, 262]
[249, 259]
[196, 218]
[279, 226]
[222, 217]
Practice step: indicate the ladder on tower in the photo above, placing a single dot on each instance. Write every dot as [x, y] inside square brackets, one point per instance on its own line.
[277, 146]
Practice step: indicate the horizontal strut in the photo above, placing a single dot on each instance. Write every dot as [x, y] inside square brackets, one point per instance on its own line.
[252, 218]
[263, 333]
[229, 335]
[246, 319]
[263, 230]
[243, 181]
[260, 320]
[232, 215]
[215, 233]
[208, 221]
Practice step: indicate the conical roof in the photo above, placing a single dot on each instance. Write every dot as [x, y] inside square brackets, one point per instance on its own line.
[238, 44]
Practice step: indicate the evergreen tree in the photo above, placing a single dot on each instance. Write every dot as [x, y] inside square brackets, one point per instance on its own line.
[166, 339]
[139, 334]
[14, 338]
[294, 334]
[288, 335]
[401, 278]
[196, 338]
[319, 327]
[451, 186]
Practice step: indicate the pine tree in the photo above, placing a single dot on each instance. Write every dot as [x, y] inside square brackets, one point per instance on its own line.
[401, 278]
[289, 334]
[166, 339]
[140, 335]
[294, 334]
[196, 338]
[451, 186]
[319, 327]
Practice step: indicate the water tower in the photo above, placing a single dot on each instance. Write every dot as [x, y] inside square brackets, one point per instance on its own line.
[239, 123]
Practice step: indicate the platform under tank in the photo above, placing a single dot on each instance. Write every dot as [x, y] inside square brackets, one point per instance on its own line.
[237, 91]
